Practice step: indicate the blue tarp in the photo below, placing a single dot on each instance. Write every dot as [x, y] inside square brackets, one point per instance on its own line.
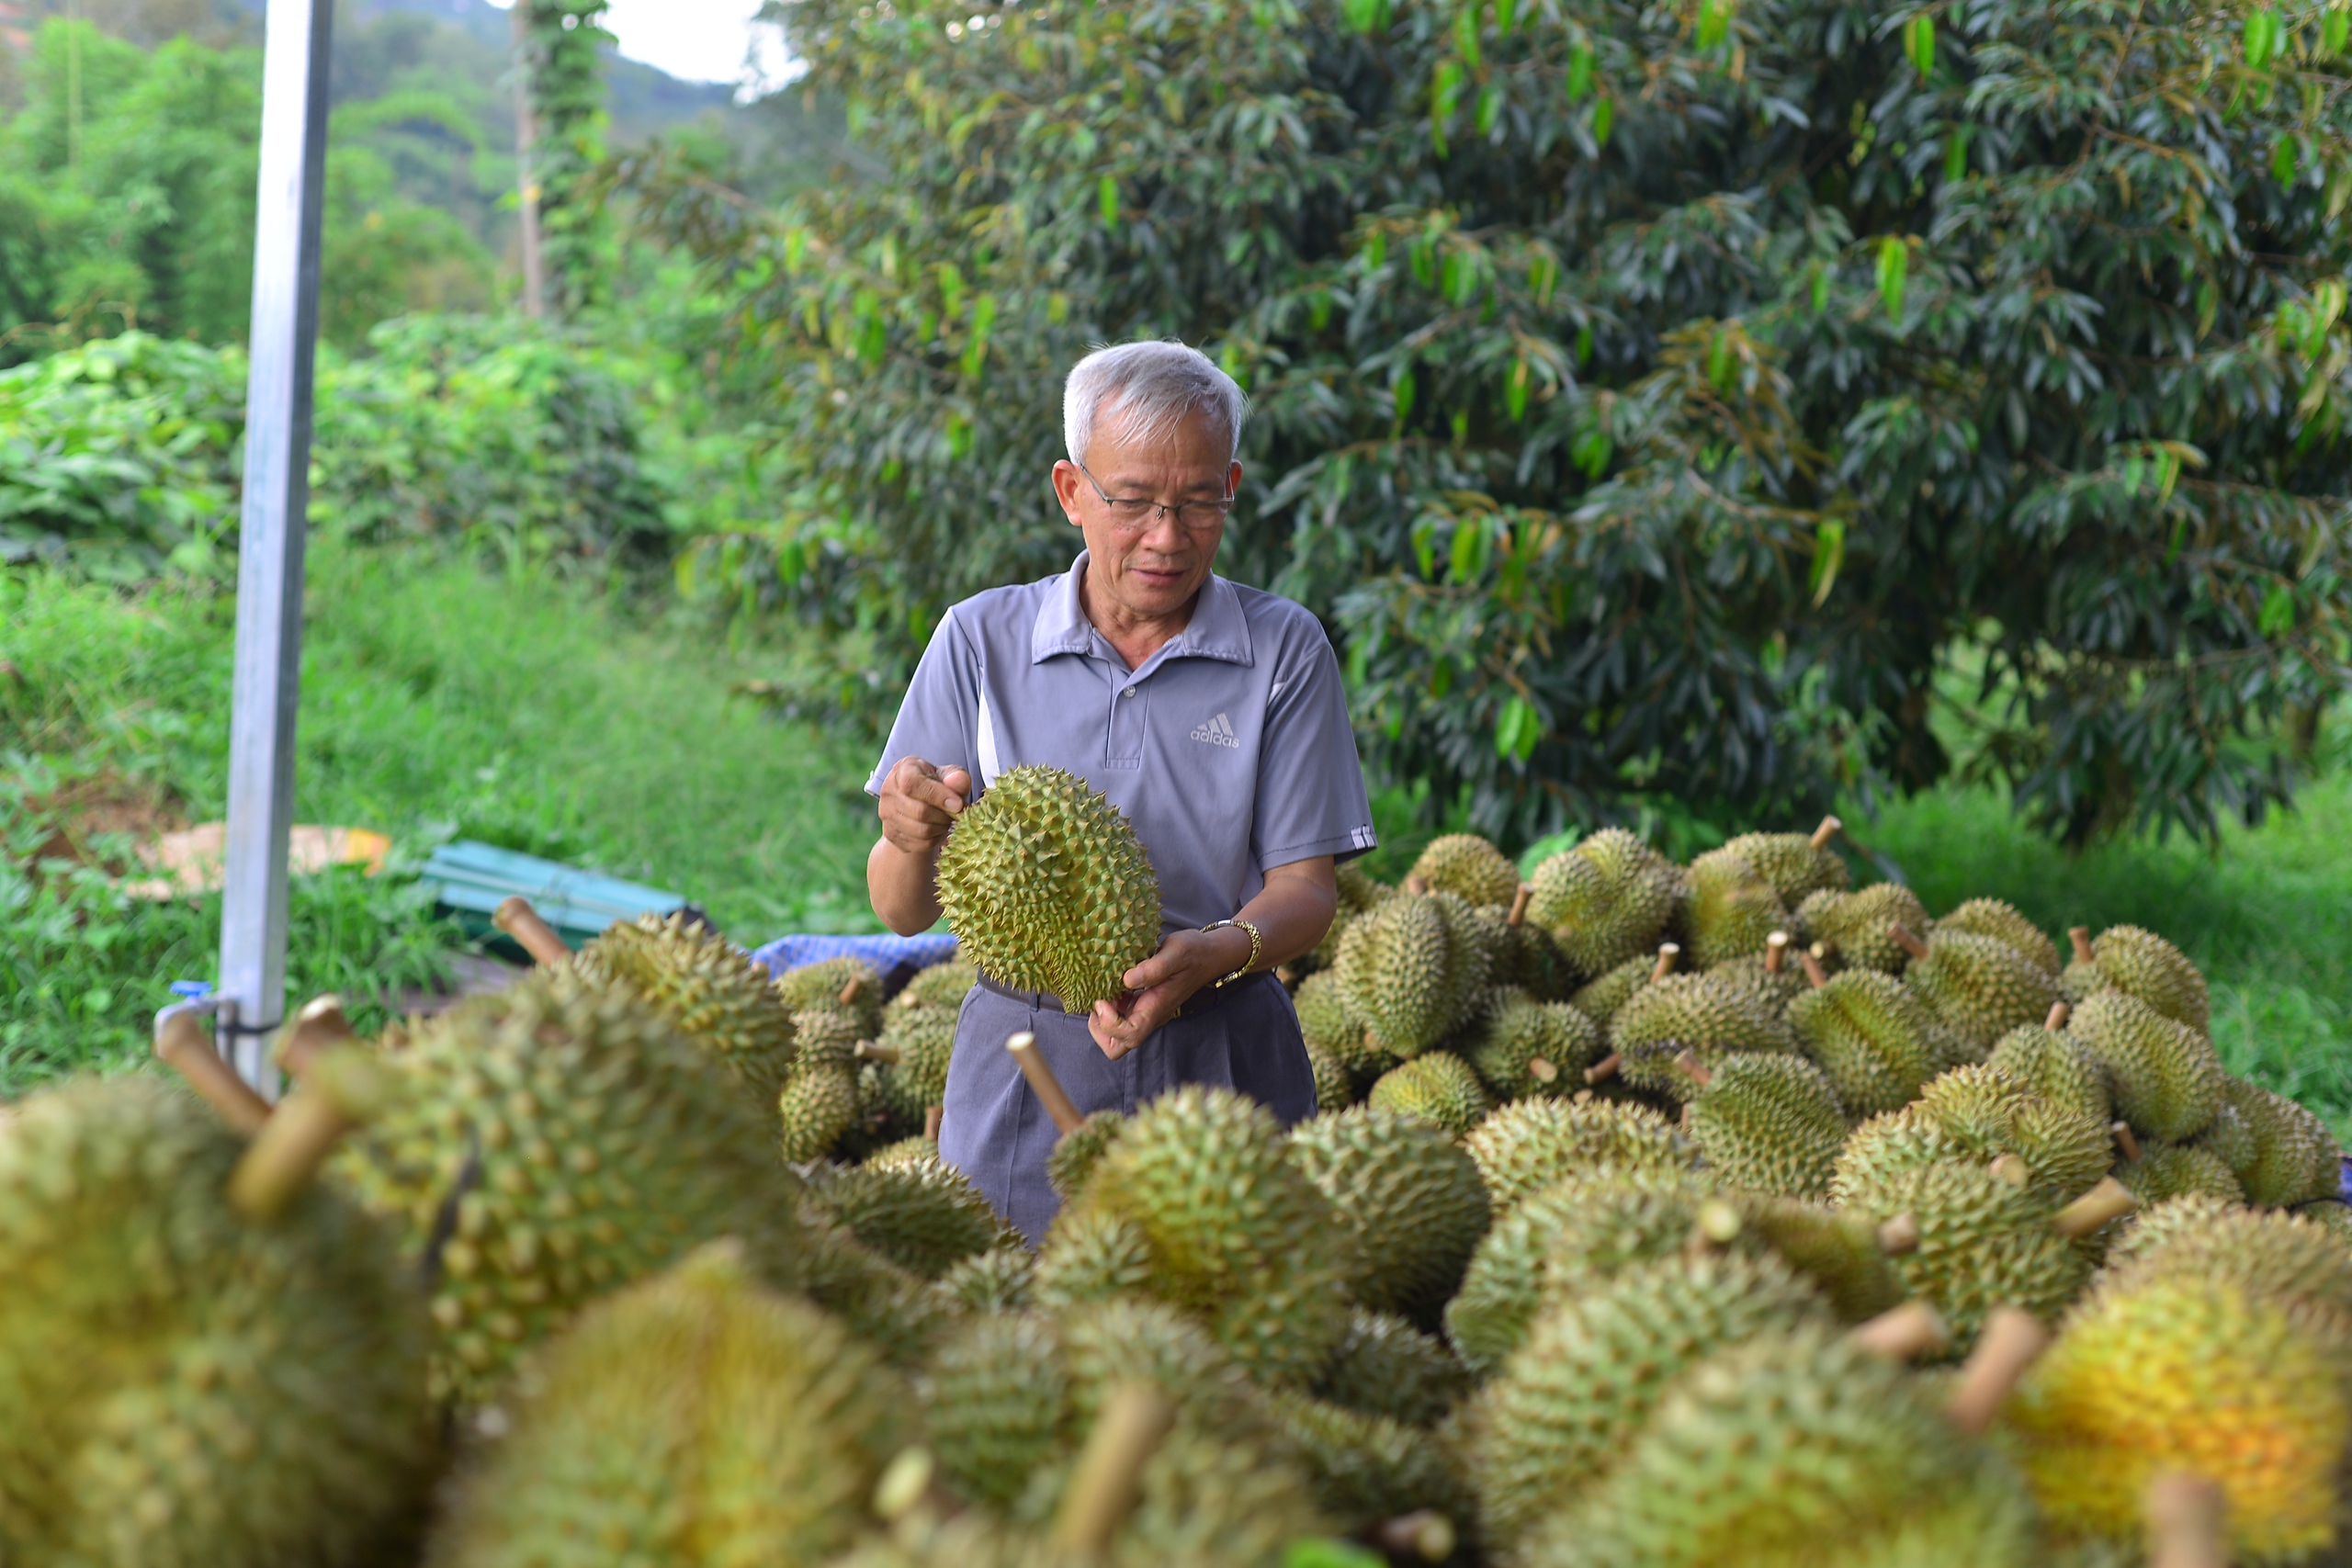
[899, 958]
[472, 879]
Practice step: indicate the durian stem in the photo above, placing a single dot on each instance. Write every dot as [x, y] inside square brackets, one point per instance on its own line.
[1542, 1070]
[286, 1154]
[320, 1023]
[852, 991]
[1830, 827]
[1902, 1333]
[1424, 1533]
[2081, 937]
[875, 1051]
[1518, 915]
[2110, 1200]
[1815, 975]
[1907, 940]
[932, 1115]
[1603, 1069]
[180, 1041]
[1686, 1063]
[1667, 954]
[1899, 1236]
[1419, 886]
[2186, 1515]
[1133, 1422]
[2011, 1168]
[535, 936]
[1776, 952]
[2059, 1013]
[2011, 1339]
[2125, 1139]
[1043, 1084]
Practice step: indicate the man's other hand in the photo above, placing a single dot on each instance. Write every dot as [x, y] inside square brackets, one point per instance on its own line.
[1186, 962]
[920, 802]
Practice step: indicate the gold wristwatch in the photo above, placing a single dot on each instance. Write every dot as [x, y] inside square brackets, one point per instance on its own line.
[1257, 945]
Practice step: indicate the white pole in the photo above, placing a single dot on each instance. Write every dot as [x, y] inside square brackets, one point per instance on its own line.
[269, 556]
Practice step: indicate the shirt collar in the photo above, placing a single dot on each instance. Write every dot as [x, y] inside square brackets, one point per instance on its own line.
[1217, 630]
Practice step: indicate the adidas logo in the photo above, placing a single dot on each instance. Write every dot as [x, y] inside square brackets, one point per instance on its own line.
[1218, 731]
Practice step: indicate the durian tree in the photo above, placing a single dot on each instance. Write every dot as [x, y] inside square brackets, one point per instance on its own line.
[1659, 401]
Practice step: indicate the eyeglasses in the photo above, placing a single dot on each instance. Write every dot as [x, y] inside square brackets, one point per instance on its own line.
[1135, 511]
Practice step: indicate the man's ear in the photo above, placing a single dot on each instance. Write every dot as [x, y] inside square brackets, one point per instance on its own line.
[1067, 480]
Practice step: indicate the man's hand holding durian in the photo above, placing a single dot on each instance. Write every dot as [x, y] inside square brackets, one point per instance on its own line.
[1291, 915]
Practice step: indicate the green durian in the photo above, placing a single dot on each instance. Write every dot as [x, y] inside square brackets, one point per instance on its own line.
[1358, 892]
[999, 1405]
[1328, 1025]
[1983, 1242]
[1697, 1013]
[1768, 1123]
[2332, 1214]
[920, 1042]
[1840, 1253]
[184, 1382]
[1731, 910]
[1988, 1113]
[1531, 1143]
[1523, 1047]
[1529, 957]
[1436, 1087]
[2003, 923]
[709, 988]
[1363, 1468]
[1047, 888]
[920, 1215]
[903, 1151]
[1469, 867]
[2295, 1158]
[2172, 1170]
[845, 985]
[1387, 1367]
[1412, 1198]
[940, 985]
[1854, 926]
[549, 1144]
[2167, 1078]
[1334, 1090]
[818, 1107]
[1980, 988]
[1605, 901]
[1792, 864]
[1768, 977]
[1599, 999]
[1869, 1035]
[1073, 1159]
[896, 1310]
[2289, 1258]
[1412, 969]
[2058, 1067]
[1089, 1256]
[693, 1418]
[2141, 963]
[1594, 1367]
[996, 1280]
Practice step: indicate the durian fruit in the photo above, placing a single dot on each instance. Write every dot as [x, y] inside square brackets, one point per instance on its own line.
[919, 1213]
[1769, 977]
[1599, 999]
[1528, 956]
[186, 1377]
[1412, 969]
[1796, 864]
[1605, 901]
[1523, 1047]
[2001, 921]
[1593, 1368]
[1387, 1367]
[2294, 1158]
[890, 1308]
[1469, 867]
[1412, 1198]
[693, 1418]
[1527, 1146]
[1697, 1013]
[1979, 1113]
[1767, 1122]
[1854, 928]
[709, 988]
[1365, 1468]
[1869, 1035]
[996, 1280]
[2332, 1214]
[903, 1151]
[1843, 1254]
[1047, 888]
[940, 985]
[2195, 1374]
[2057, 1066]
[1230, 1228]
[2142, 965]
[1358, 892]
[1327, 1026]
[1980, 988]
[1731, 909]
[2167, 1078]
[2161, 1171]
[2289, 1258]
[1072, 1160]
[552, 1143]
[915, 1046]
[1791, 1444]
[819, 1103]
[1334, 1090]
[1438, 1087]
[1982, 1241]
[845, 985]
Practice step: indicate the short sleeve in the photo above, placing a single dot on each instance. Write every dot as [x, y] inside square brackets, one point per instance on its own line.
[1311, 797]
[939, 715]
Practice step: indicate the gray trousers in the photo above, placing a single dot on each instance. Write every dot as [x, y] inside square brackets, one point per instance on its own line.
[996, 1132]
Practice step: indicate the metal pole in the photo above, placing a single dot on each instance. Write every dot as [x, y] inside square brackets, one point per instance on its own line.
[269, 553]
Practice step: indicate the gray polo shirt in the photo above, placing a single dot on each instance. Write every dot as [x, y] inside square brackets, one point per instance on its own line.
[1229, 748]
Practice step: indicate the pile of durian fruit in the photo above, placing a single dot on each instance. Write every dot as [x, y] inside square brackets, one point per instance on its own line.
[1656, 1215]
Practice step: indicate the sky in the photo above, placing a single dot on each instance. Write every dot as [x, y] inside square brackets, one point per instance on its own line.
[695, 40]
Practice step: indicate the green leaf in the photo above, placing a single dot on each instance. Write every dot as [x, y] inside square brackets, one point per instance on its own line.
[1604, 116]
[2277, 611]
[1321, 1551]
[1516, 729]
[1820, 286]
[1722, 364]
[1470, 549]
[1376, 249]
[1956, 152]
[1542, 276]
[1506, 16]
[1404, 389]
[1465, 34]
[1515, 389]
[1713, 22]
[1592, 450]
[1490, 108]
[2282, 160]
[1106, 198]
[1828, 555]
[1919, 44]
[2262, 35]
[2335, 31]
[1366, 15]
[1579, 76]
[1422, 255]
[1894, 264]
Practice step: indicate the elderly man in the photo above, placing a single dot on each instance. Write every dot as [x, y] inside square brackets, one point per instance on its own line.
[1211, 713]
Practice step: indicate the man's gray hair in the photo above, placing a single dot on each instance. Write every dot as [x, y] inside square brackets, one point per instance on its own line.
[1155, 387]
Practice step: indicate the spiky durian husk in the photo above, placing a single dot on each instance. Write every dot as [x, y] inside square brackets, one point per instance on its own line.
[180, 1384]
[575, 1143]
[817, 1106]
[1412, 969]
[1869, 1035]
[1523, 1047]
[2286, 1257]
[708, 987]
[1073, 1156]
[1853, 925]
[1364, 1467]
[918, 1213]
[2167, 1078]
[2142, 964]
[1980, 988]
[1531, 1143]
[1387, 1367]
[2294, 1157]
[820, 984]
[2003, 923]
[1983, 1243]
[940, 985]
[924, 1039]
[1358, 892]
[1606, 900]
[1047, 887]
[1469, 867]
[1697, 1013]
[1412, 1198]
[1768, 1123]
[1791, 864]
[1334, 1090]
[1601, 1000]
[1436, 1087]
[998, 1280]
[1731, 911]
[1774, 991]
[2198, 1375]
[1988, 1113]
[692, 1418]
[2177, 1170]
[1328, 1025]
[2058, 1067]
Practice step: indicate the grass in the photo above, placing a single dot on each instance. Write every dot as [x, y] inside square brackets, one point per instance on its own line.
[437, 703]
